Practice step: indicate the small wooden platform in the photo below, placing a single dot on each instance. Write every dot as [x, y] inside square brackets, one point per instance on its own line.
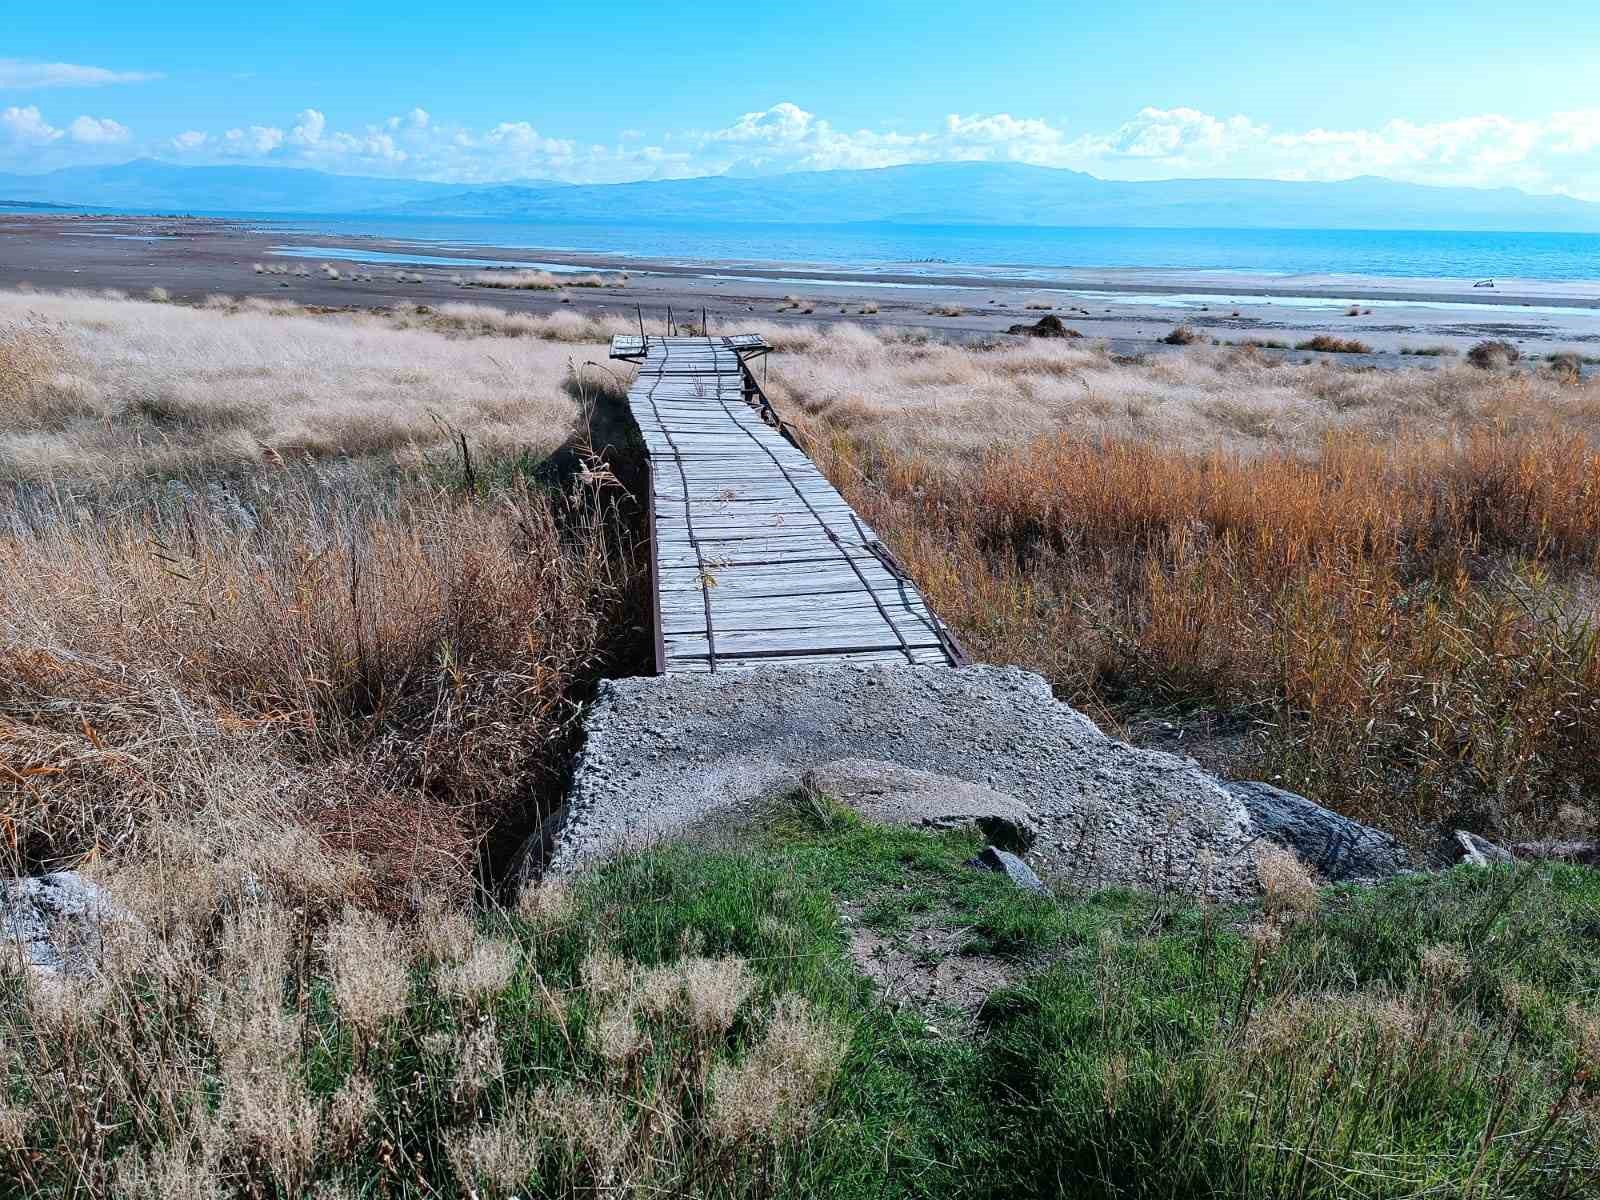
[758, 560]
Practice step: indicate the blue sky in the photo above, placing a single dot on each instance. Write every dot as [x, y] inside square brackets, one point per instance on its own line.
[1439, 91]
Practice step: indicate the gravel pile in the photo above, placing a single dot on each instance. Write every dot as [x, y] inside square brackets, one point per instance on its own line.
[664, 755]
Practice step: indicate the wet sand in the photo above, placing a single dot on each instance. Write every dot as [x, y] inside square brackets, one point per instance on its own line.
[1129, 309]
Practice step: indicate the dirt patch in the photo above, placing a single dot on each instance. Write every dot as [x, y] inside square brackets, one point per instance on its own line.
[923, 968]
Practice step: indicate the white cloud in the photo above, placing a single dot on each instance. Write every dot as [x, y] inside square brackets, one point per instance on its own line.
[98, 131]
[16, 73]
[257, 140]
[525, 139]
[308, 128]
[782, 123]
[28, 126]
[1551, 154]
[1557, 153]
[1158, 133]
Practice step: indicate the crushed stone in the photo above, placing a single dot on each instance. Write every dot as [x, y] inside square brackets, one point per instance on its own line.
[663, 755]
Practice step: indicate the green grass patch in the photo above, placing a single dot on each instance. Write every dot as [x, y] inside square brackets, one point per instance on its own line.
[688, 1022]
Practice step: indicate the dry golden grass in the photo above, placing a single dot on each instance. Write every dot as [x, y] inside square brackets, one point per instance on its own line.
[394, 671]
[538, 281]
[99, 385]
[1393, 576]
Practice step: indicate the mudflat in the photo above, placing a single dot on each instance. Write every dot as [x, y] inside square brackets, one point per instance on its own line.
[1132, 310]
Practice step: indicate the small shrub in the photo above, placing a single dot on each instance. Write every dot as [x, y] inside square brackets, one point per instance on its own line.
[510, 279]
[946, 310]
[1493, 355]
[596, 281]
[1327, 344]
[1567, 367]
[1287, 884]
[1429, 351]
[1184, 335]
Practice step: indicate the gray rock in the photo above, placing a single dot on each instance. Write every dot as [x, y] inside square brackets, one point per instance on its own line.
[724, 744]
[1582, 854]
[1477, 852]
[894, 795]
[57, 921]
[1338, 848]
[1012, 867]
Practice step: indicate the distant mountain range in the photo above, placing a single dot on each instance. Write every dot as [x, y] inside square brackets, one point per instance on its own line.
[148, 185]
[1014, 194]
[930, 194]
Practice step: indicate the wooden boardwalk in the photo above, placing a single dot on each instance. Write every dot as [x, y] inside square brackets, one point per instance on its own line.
[758, 560]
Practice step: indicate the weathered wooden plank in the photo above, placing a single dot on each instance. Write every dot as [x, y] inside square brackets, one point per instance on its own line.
[915, 624]
[692, 665]
[758, 552]
[794, 508]
[747, 528]
[709, 527]
[779, 642]
[743, 492]
[873, 630]
[744, 467]
[731, 528]
[799, 611]
[806, 580]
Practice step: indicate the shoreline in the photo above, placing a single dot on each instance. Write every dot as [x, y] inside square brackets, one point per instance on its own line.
[1131, 309]
[1131, 281]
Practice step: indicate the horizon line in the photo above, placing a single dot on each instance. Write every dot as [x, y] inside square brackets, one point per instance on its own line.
[726, 174]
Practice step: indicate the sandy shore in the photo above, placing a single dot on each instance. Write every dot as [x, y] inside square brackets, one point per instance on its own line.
[1130, 309]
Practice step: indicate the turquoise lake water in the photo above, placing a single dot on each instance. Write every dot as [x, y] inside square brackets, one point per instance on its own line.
[1023, 251]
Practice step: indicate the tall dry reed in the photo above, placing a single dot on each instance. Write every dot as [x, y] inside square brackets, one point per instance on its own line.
[398, 664]
[1407, 618]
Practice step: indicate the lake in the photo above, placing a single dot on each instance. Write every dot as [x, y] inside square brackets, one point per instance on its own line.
[1009, 250]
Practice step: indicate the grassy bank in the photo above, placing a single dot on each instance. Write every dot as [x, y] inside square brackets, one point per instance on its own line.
[690, 1022]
